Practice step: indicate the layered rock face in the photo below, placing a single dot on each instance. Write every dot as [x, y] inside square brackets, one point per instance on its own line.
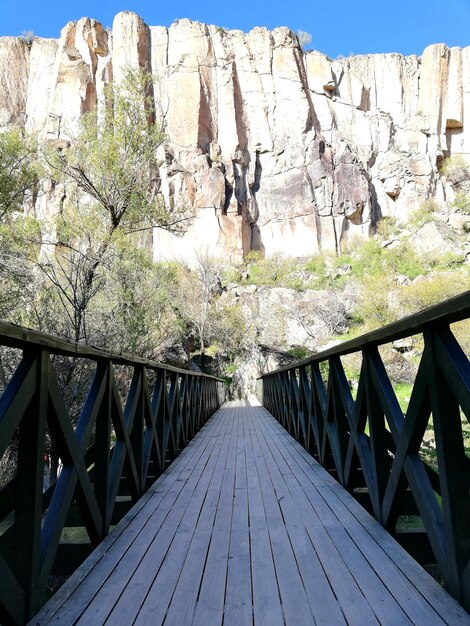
[274, 149]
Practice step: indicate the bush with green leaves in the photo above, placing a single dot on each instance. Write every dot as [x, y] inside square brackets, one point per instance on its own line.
[432, 290]
[275, 270]
[424, 213]
[456, 168]
[19, 170]
[387, 227]
[371, 259]
[19, 234]
[461, 202]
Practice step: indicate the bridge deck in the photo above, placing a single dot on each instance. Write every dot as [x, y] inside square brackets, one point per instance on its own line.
[245, 527]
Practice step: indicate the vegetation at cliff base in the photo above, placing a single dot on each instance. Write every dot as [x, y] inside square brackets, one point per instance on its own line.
[86, 271]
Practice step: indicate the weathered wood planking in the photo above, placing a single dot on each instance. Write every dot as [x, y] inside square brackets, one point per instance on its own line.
[246, 528]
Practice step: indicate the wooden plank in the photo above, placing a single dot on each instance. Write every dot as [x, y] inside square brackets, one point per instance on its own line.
[250, 530]
[131, 578]
[323, 603]
[27, 339]
[350, 596]
[398, 569]
[376, 593]
[76, 591]
[293, 596]
[267, 610]
[12, 597]
[189, 544]
[204, 572]
[29, 481]
[238, 596]
[211, 599]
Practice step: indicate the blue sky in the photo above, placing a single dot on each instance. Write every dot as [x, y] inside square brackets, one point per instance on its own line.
[337, 26]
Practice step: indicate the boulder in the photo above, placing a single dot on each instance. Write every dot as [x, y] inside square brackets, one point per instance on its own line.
[436, 239]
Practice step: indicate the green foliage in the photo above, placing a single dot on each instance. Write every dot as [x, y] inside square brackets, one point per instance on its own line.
[367, 260]
[280, 271]
[403, 394]
[387, 227]
[193, 293]
[424, 213]
[19, 170]
[133, 311]
[21, 235]
[375, 305]
[113, 163]
[456, 168]
[27, 36]
[404, 260]
[440, 287]
[276, 270]
[321, 278]
[298, 352]
[231, 331]
[253, 256]
[316, 265]
[444, 261]
[462, 203]
[114, 160]
[373, 260]
[19, 242]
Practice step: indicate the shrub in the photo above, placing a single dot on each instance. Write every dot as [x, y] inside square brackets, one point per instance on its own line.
[316, 265]
[462, 203]
[428, 292]
[305, 39]
[404, 260]
[376, 305]
[275, 270]
[386, 227]
[423, 214]
[253, 256]
[456, 168]
[298, 352]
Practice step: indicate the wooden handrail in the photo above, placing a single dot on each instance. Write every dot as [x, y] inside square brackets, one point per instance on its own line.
[15, 336]
[373, 448]
[111, 450]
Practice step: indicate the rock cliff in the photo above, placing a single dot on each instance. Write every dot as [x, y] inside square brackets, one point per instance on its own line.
[275, 149]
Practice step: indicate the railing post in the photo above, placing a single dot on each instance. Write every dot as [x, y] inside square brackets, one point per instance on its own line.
[102, 448]
[29, 485]
[454, 468]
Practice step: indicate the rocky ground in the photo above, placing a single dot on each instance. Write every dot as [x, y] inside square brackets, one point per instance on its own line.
[300, 307]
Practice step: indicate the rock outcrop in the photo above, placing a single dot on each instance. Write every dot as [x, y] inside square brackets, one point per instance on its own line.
[274, 149]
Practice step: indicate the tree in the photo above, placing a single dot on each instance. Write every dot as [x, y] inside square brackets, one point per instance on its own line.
[19, 173]
[304, 38]
[112, 174]
[193, 296]
[329, 316]
[18, 170]
[18, 178]
[234, 331]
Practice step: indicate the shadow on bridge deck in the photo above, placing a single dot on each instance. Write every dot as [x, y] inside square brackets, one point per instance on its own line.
[246, 528]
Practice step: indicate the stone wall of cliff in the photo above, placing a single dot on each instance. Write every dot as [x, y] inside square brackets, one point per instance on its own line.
[274, 149]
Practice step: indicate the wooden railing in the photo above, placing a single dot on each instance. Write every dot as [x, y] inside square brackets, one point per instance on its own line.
[132, 421]
[373, 448]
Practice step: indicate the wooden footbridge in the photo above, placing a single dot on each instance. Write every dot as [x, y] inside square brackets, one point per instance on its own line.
[190, 512]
